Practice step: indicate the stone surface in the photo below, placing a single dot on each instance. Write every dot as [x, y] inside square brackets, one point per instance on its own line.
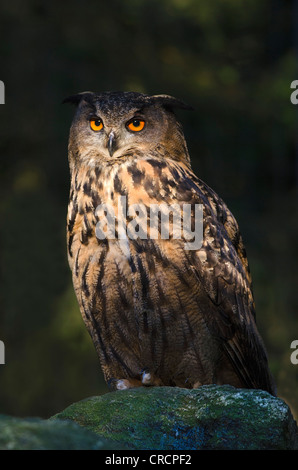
[39, 434]
[211, 417]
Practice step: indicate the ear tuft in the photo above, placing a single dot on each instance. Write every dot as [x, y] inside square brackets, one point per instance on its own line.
[171, 102]
[76, 99]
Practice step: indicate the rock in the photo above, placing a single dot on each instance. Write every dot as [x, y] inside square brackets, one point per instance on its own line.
[40, 434]
[211, 417]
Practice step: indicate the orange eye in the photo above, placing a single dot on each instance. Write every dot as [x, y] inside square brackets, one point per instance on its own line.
[96, 124]
[136, 125]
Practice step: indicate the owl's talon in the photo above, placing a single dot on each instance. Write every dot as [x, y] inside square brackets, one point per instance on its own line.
[124, 384]
[197, 384]
[146, 378]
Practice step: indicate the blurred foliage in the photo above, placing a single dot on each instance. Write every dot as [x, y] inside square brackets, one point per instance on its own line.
[234, 62]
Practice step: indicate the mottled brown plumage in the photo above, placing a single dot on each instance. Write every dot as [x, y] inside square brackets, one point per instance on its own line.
[158, 314]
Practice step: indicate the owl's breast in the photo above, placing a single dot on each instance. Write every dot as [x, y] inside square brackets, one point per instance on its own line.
[110, 208]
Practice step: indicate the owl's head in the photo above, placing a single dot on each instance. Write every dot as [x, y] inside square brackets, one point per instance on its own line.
[113, 125]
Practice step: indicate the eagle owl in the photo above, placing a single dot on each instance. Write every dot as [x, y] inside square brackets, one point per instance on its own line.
[159, 311]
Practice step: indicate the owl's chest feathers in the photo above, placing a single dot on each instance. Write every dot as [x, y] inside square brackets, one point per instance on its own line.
[111, 187]
[115, 187]
[92, 188]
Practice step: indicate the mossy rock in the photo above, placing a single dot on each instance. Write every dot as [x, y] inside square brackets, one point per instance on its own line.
[41, 434]
[211, 417]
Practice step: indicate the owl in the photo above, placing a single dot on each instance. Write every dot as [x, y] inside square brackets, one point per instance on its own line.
[161, 310]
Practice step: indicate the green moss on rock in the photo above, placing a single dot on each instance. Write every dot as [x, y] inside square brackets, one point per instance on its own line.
[211, 417]
[40, 434]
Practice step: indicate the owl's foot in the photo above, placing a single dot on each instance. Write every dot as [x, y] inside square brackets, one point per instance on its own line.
[146, 378]
[124, 384]
[197, 385]
[150, 379]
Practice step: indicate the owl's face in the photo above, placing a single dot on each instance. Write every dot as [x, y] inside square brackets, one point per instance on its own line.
[111, 125]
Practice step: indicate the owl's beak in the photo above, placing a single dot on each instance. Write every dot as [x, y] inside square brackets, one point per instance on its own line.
[112, 145]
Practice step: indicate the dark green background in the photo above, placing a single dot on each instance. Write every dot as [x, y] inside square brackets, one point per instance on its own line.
[234, 62]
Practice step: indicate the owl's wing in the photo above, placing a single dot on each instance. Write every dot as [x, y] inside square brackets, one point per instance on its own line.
[222, 268]
[223, 282]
